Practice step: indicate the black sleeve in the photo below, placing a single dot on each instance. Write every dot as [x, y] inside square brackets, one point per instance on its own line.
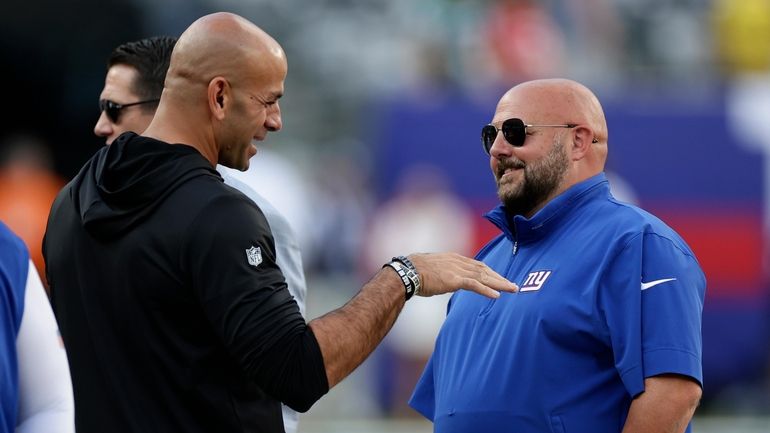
[230, 254]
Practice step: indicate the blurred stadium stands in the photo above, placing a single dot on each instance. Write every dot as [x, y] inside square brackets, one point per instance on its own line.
[376, 87]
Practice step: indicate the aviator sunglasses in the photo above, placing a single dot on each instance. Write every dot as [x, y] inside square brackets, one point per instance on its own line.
[113, 108]
[514, 132]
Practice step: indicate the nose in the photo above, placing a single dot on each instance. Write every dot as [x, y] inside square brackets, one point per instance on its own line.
[273, 120]
[103, 127]
[500, 149]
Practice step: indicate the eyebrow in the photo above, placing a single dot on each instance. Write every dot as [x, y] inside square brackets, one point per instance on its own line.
[499, 123]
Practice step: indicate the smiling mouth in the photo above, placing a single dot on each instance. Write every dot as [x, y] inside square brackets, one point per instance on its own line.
[508, 171]
[509, 165]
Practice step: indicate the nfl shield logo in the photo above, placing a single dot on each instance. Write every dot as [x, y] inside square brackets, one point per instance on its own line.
[254, 254]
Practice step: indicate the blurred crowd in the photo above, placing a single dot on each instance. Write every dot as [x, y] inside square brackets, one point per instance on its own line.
[347, 59]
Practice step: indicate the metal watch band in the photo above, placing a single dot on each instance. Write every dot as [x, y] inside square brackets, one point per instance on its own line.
[412, 273]
[403, 273]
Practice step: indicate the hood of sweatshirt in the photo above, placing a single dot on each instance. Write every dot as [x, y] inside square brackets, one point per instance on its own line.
[124, 182]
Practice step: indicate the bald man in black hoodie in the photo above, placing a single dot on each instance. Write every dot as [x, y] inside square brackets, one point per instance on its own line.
[163, 279]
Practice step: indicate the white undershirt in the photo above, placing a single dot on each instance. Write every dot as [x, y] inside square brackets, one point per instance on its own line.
[45, 387]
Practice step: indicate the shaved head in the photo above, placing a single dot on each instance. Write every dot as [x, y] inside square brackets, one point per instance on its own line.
[221, 44]
[563, 99]
[222, 89]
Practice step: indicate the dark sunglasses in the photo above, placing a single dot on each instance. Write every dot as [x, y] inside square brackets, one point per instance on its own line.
[514, 132]
[113, 108]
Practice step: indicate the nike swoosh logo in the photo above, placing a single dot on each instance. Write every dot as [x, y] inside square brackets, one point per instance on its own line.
[646, 286]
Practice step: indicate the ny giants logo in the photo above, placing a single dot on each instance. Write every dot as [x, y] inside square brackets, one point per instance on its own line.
[534, 281]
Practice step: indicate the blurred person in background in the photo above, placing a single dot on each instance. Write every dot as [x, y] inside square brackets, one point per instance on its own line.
[417, 218]
[164, 280]
[517, 33]
[136, 72]
[605, 332]
[132, 88]
[28, 186]
[342, 203]
[133, 85]
[35, 385]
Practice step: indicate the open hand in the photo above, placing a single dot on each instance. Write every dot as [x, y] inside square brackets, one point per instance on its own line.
[449, 272]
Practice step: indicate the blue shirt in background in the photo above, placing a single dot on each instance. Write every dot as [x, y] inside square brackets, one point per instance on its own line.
[14, 263]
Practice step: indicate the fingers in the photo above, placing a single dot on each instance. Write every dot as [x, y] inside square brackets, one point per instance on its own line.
[489, 284]
[495, 281]
[474, 286]
[449, 272]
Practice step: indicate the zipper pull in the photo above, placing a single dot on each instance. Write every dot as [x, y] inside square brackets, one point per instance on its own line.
[515, 247]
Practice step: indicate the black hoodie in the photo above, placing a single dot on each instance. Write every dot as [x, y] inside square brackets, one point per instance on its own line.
[174, 314]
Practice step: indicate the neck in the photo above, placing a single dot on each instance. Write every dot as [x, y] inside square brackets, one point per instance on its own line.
[177, 128]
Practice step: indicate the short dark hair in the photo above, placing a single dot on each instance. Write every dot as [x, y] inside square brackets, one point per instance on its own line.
[150, 57]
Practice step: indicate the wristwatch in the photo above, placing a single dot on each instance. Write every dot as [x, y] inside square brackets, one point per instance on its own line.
[408, 274]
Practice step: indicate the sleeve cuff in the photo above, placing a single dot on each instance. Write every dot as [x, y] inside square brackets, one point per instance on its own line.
[633, 380]
[676, 361]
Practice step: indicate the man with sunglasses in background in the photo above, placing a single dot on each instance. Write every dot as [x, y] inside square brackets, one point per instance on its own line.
[135, 74]
[604, 334]
[132, 87]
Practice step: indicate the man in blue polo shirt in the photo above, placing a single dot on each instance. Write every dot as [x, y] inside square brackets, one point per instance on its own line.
[605, 332]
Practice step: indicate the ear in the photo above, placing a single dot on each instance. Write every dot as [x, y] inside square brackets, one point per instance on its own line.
[218, 96]
[582, 140]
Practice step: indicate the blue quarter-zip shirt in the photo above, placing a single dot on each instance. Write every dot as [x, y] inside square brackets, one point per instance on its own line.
[609, 295]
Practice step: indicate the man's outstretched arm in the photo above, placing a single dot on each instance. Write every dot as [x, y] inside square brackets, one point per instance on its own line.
[348, 335]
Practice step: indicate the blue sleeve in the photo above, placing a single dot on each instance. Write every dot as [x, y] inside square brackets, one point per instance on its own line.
[14, 265]
[673, 289]
[651, 299]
